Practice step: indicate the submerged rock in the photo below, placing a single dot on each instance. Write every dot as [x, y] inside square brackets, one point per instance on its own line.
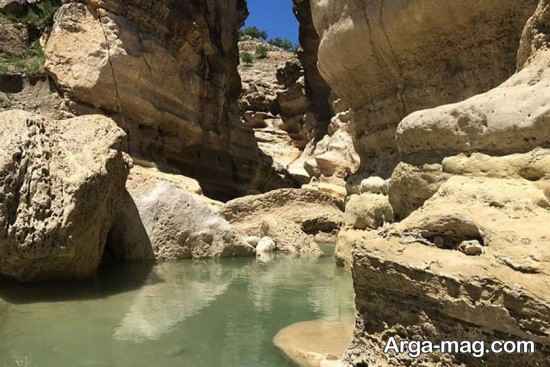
[316, 343]
[61, 184]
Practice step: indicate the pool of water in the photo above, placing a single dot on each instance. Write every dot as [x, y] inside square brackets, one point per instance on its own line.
[188, 314]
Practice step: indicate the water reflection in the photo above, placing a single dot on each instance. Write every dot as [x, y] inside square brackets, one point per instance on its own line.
[188, 314]
[183, 292]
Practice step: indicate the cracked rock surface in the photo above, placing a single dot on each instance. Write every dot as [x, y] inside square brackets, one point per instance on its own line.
[167, 71]
[59, 195]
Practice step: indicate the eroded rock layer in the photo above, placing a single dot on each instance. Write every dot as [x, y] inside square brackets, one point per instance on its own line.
[390, 58]
[167, 71]
[468, 258]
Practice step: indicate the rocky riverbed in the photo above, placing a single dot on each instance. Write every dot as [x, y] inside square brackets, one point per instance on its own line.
[409, 138]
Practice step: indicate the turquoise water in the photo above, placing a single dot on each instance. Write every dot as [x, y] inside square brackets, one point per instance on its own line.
[186, 314]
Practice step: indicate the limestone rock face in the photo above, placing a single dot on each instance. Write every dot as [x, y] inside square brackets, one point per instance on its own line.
[388, 59]
[291, 217]
[469, 259]
[61, 186]
[274, 103]
[410, 186]
[334, 155]
[169, 73]
[483, 123]
[429, 257]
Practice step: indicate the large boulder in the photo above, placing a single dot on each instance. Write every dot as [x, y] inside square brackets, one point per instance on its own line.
[410, 186]
[61, 185]
[175, 222]
[387, 59]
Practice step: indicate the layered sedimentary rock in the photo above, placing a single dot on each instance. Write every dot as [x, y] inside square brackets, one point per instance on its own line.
[421, 278]
[168, 72]
[266, 103]
[61, 185]
[388, 59]
[470, 258]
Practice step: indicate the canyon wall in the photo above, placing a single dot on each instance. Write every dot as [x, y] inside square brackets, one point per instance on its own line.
[167, 72]
[460, 251]
[387, 59]
[317, 89]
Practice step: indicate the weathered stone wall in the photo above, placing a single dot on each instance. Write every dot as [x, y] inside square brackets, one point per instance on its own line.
[387, 59]
[317, 89]
[469, 258]
[167, 71]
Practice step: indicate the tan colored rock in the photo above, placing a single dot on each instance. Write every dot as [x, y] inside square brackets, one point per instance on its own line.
[532, 166]
[169, 75]
[62, 184]
[182, 225]
[335, 155]
[291, 217]
[388, 59]
[368, 211]
[347, 240]
[374, 185]
[410, 186]
[168, 212]
[145, 175]
[316, 343]
[499, 291]
[535, 35]
[508, 119]
[334, 189]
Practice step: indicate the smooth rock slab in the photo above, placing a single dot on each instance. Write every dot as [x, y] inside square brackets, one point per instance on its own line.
[175, 223]
[317, 343]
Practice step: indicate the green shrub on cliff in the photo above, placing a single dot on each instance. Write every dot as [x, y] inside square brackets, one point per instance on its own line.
[30, 63]
[283, 43]
[37, 17]
[247, 58]
[253, 32]
[261, 52]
